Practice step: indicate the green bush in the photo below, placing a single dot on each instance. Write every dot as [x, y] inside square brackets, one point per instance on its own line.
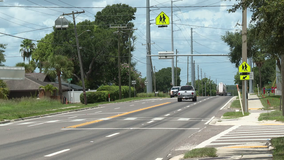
[93, 97]
[114, 91]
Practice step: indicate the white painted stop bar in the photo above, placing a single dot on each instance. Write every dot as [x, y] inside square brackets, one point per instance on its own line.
[169, 55]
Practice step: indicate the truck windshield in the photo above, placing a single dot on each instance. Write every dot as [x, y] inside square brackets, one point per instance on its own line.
[186, 88]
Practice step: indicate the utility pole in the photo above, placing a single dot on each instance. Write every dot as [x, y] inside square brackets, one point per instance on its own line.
[210, 84]
[198, 79]
[176, 67]
[194, 74]
[244, 55]
[155, 80]
[187, 69]
[148, 47]
[172, 35]
[192, 71]
[201, 82]
[79, 55]
[118, 65]
[205, 83]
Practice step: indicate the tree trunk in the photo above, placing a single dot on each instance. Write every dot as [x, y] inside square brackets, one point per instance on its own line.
[60, 88]
[259, 69]
[282, 84]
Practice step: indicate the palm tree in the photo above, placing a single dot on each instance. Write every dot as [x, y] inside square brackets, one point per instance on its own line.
[27, 48]
[29, 68]
[58, 65]
[48, 88]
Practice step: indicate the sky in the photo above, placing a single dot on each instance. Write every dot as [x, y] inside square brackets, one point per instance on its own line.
[209, 24]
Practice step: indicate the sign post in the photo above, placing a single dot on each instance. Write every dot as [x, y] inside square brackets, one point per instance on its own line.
[133, 83]
[245, 70]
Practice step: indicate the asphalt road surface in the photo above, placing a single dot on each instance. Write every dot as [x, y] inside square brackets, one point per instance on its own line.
[137, 130]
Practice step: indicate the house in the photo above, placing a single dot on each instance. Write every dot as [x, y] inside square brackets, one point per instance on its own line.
[29, 87]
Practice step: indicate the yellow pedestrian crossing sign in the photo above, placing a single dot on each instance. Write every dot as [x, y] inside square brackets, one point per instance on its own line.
[244, 77]
[162, 19]
[244, 68]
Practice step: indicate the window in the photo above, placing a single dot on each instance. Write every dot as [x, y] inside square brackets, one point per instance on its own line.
[186, 88]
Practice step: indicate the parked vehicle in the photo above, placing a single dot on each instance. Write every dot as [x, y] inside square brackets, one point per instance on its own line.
[174, 91]
[187, 92]
[221, 89]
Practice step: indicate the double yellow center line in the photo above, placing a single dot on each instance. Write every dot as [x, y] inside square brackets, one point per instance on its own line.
[115, 116]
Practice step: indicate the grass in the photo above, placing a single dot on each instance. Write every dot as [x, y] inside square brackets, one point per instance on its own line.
[27, 107]
[236, 104]
[274, 115]
[278, 144]
[201, 152]
[232, 115]
[271, 102]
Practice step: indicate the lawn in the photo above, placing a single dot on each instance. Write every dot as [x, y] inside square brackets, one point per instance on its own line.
[27, 107]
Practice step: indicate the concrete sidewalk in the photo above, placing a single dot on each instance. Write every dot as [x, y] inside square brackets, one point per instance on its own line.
[254, 150]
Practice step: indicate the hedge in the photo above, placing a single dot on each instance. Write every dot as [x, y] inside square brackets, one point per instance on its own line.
[102, 94]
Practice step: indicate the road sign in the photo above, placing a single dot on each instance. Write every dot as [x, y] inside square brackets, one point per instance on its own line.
[166, 55]
[133, 82]
[162, 19]
[251, 76]
[244, 68]
[146, 82]
[244, 77]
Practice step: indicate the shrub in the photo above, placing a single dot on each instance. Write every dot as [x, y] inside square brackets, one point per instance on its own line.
[93, 97]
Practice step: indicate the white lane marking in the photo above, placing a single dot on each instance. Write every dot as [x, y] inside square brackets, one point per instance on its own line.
[25, 123]
[210, 120]
[158, 119]
[132, 105]
[210, 140]
[105, 119]
[251, 136]
[112, 135]
[73, 117]
[87, 129]
[55, 153]
[52, 121]
[117, 108]
[98, 112]
[150, 122]
[183, 119]
[227, 103]
[130, 118]
[5, 124]
[159, 159]
[35, 124]
[167, 115]
[179, 110]
[78, 120]
[250, 139]
[143, 102]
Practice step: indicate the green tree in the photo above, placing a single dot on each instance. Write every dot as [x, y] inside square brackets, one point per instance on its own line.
[2, 56]
[29, 68]
[27, 48]
[205, 83]
[164, 79]
[43, 50]
[58, 65]
[4, 91]
[49, 88]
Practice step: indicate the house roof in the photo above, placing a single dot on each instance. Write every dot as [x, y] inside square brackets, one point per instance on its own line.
[72, 86]
[39, 76]
[31, 82]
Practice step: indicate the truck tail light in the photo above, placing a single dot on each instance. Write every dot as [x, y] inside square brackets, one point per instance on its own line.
[178, 93]
[192, 93]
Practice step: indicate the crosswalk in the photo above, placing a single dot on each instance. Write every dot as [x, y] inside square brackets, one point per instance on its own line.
[244, 134]
[149, 119]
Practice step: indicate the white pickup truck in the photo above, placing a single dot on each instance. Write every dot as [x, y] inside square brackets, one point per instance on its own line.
[187, 92]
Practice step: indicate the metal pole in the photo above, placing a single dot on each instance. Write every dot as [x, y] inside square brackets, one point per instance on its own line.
[210, 84]
[198, 79]
[148, 45]
[129, 65]
[79, 56]
[187, 70]
[201, 83]
[155, 79]
[118, 66]
[250, 81]
[244, 53]
[172, 34]
[194, 74]
[192, 83]
[176, 67]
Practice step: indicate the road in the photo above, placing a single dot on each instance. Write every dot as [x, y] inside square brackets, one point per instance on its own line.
[144, 130]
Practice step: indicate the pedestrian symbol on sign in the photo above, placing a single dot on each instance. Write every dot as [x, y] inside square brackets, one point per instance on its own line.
[162, 19]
